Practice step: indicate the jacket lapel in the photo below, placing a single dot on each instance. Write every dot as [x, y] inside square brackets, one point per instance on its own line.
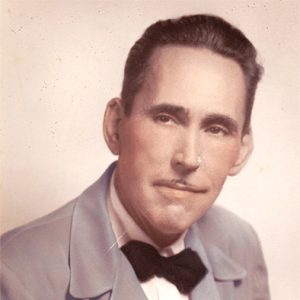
[98, 268]
[94, 253]
[206, 288]
[223, 272]
[126, 285]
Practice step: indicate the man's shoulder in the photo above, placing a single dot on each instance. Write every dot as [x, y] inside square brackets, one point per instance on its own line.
[38, 237]
[39, 253]
[51, 232]
[219, 216]
[54, 227]
[36, 255]
[222, 227]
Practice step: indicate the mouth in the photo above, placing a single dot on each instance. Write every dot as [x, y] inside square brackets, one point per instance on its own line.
[180, 185]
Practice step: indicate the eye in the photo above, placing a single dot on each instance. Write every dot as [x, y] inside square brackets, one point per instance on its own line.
[217, 130]
[164, 119]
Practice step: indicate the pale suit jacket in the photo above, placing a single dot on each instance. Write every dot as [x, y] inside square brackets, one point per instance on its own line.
[72, 254]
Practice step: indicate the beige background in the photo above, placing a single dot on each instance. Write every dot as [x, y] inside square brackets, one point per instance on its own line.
[63, 60]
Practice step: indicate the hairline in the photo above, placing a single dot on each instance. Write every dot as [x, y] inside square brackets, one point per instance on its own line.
[149, 65]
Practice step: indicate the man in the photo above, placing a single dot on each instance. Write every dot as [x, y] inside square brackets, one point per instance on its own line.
[180, 127]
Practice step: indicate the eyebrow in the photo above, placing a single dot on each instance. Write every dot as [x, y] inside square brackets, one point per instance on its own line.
[221, 119]
[183, 113]
[171, 109]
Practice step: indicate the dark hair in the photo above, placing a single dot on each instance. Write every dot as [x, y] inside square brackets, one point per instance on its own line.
[203, 31]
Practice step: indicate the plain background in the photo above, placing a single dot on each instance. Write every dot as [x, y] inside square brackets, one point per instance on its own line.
[61, 61]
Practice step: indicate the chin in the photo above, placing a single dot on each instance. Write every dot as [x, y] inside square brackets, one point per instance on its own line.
[174, 225]
[184, 217]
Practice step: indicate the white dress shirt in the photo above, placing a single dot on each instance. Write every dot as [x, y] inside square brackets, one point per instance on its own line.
[125, 230]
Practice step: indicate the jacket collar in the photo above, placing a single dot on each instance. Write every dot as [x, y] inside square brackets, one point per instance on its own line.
[224, 268]
[93, 248]
[92, 243]
[219, 265]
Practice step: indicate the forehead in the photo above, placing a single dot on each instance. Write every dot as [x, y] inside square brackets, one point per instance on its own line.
[194, 66]
[195, 78]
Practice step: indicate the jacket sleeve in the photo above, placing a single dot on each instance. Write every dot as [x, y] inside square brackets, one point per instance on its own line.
[11, 287]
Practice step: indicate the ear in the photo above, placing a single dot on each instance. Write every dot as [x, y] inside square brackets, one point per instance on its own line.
[114, 113]
[244, 153]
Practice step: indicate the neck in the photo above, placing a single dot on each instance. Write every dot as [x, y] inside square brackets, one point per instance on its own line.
[162, 240]
[159, 238]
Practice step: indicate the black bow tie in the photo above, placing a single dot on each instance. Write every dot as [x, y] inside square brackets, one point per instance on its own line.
[184, 269]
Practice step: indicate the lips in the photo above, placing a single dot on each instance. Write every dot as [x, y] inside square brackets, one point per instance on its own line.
[180, 185]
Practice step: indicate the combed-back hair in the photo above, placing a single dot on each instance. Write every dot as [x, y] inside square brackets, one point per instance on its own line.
[201, 31]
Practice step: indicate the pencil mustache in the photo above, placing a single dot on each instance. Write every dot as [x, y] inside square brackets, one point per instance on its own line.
[179, 184]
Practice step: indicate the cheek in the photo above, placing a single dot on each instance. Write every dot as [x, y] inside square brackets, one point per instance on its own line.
[132, 142]
[219, 159]
[145, 142]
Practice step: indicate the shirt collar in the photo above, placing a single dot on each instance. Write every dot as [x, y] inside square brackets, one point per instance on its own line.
[126, 229]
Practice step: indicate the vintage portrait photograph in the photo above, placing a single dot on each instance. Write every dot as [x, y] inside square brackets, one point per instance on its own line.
[150, 150]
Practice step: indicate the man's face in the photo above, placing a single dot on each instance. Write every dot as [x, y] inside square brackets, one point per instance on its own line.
[191, 104]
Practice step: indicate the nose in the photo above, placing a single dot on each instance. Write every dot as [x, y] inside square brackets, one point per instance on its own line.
[187, 157]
